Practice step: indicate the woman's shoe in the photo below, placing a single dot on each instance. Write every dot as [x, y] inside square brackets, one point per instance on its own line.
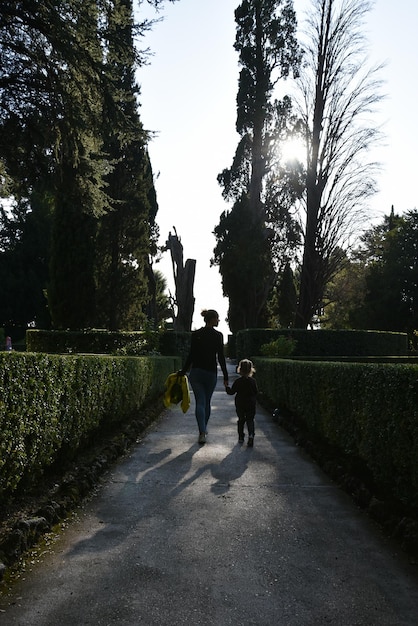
[202, 438]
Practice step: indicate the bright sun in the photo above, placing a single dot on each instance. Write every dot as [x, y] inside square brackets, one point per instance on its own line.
[293, 150]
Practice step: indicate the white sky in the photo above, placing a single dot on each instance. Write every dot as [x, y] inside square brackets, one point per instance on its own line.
[188, 97]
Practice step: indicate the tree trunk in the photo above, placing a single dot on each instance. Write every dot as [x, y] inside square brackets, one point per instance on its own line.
[308, 296]
[184, 296]
[310, 283]
[184, 282]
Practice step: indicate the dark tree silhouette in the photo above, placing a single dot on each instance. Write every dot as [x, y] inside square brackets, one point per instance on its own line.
[184, 274]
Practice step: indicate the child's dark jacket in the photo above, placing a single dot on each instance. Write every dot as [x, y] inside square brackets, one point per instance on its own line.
[246, 393]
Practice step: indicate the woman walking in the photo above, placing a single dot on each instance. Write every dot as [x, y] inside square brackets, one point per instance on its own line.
[206, 351]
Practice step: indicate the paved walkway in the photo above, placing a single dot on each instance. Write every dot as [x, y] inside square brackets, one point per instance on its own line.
[216, 535]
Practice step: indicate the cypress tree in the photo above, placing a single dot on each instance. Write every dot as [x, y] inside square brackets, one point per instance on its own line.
[268, 52]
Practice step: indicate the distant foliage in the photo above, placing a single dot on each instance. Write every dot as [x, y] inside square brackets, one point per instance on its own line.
[281, 347]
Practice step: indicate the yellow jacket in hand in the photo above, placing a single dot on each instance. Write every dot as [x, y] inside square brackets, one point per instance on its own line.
[176, 391]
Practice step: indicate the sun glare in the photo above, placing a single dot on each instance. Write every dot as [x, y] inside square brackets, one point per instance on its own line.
[293, 150]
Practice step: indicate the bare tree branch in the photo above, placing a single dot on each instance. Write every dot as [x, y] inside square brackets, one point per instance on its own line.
[338, 94]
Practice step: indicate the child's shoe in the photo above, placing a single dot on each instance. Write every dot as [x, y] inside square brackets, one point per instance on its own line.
[241, 439]
[250, 441]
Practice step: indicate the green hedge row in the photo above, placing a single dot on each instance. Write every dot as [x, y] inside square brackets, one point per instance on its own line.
[105, 342]
[367, 411]
[51, 404]
[175, 342]
[79, 341]
[325, 342]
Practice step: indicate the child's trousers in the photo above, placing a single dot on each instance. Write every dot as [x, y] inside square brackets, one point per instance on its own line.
[245, 417]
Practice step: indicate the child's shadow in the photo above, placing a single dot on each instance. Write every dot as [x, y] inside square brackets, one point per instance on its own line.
[229, 469]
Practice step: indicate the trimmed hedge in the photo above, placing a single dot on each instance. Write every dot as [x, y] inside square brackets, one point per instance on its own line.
[325, 342]
[175, 342]
[367, 411]
[103, 341]
[79, 341]
[51, 405]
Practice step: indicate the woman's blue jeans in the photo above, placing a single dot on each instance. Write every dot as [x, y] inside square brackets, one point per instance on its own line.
[203, 384]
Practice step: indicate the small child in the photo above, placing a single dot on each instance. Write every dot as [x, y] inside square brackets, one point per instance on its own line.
[245, 401]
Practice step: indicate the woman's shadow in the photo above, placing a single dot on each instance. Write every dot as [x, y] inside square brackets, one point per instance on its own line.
[232, 467]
